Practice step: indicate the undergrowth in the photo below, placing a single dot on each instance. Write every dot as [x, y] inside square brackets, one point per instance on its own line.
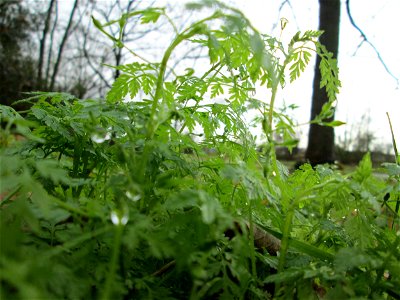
[116, 199]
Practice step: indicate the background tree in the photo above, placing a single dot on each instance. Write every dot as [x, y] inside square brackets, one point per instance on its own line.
[27, 60]
[17, 68]
[321, 139]
[42, 46]
[67, 53]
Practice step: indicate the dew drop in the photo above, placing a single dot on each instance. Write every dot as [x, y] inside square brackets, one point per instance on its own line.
[132, 196]
[386, 274]
[100, 138]
[119, 218]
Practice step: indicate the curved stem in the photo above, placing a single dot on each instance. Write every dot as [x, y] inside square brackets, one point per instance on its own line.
[194, 29]
[268, 127]
[186, 34]
[160, 81]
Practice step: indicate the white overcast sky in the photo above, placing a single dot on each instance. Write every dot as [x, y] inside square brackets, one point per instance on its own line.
[367, 89]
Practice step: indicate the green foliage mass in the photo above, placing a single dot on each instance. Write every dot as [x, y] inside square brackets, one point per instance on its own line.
[115, 199]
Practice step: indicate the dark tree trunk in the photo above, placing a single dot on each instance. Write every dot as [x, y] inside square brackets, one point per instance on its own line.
[321, 139]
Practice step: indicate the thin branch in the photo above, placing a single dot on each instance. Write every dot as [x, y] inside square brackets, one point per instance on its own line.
[61, 48]
[365, 39]
[50, 51]
[117, 50]
[43, 44]
[88, 58]
[82, 14]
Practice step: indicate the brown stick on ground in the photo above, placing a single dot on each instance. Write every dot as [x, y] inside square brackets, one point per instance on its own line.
[265, 240]
[164, 268]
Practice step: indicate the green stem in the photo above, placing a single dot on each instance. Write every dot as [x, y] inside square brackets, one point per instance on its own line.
[185, 35]
[251, 229]
[267, 126]
[76, 163]
[106, 294]
[396, 153]
[194, 29]
[285, 239]
[151, 127]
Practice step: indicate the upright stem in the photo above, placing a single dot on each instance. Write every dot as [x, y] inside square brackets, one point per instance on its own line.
[113, 263]
[285, 238]
[273, 161]
[251, 229]
[268, 127]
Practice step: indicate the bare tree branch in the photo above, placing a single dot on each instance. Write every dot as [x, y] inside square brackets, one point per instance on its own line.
[82, 14]
[88, 58]
[50, 52]
[366, 40]
[118, 50]
[61, 48]
[42, 46]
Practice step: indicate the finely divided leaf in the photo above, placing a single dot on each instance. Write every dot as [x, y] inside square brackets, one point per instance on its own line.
[123, 86]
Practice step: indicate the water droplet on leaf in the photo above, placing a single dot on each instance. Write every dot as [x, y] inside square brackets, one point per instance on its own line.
[133, 196]
[100, 137]
[119, 218]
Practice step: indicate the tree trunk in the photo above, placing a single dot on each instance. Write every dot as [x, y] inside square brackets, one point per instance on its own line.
[321, 139]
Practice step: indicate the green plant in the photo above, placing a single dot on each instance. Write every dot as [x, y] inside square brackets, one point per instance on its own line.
[115, 199]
